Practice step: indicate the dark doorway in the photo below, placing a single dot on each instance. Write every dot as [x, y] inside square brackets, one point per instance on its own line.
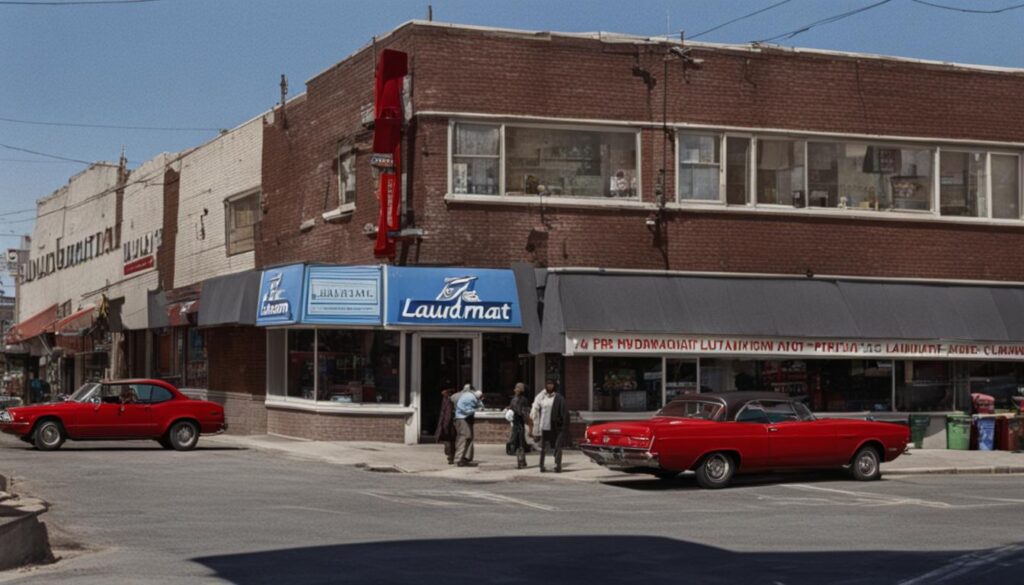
[441, 360]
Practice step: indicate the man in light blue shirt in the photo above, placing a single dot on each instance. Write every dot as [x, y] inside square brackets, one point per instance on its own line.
[466, 405]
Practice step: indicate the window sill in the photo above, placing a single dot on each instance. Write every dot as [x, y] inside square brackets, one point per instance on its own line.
[850, 213]
[339, 212]
[336, 408]
[584, 202]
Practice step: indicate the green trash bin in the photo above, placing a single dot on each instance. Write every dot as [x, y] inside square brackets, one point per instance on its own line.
[958, 432]
[918, 428]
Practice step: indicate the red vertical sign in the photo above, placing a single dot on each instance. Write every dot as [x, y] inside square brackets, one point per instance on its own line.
[387, 145]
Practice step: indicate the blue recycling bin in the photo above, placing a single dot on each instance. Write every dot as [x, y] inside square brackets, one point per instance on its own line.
[986, 433]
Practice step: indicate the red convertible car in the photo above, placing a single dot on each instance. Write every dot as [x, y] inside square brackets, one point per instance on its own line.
[121, 409]
[717, 435]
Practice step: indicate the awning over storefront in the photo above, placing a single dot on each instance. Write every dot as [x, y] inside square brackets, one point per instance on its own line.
[776, 308]
[77, 323]
[230, 299]
[37, 324]
[182, 313]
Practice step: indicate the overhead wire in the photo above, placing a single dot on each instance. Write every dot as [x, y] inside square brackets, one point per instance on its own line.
[745, 16]
[112, 126]
[969, 10]
[72, 2]
[55, 156]
[823, 21]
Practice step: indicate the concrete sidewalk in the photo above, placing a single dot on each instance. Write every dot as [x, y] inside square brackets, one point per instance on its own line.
[495, 466]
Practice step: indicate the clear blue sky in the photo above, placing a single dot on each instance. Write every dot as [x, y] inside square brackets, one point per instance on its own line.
[216, 63]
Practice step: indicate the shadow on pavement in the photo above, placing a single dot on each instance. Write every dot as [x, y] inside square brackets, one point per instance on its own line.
[687, 481]
[578, 560]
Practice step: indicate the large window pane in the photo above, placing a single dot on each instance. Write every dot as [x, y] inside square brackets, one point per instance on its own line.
[699, 167]
[506, 361]
[1003, 381]
[680, 378]
[475, 159]
[627, 384]
[737, 170]
[358, 366]
[300, 363]
[963, 190]
[1005, 186]
[869, 177]
[849, 385]
[570, 163]
[780, 171]
[924, 386]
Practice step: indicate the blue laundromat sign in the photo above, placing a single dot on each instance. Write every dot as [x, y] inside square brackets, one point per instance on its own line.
[280, 295]
[469, 297]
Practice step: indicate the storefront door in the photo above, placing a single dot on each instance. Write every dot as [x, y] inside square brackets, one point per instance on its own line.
[443, 360]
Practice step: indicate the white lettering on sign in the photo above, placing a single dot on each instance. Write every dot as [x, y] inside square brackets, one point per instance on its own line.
[657, 344]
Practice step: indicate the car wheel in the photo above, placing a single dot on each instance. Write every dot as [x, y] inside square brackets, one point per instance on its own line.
[183, 435]
[715, 471]
[865, 465]
[165, 443]
[666, 475]
[49, 435]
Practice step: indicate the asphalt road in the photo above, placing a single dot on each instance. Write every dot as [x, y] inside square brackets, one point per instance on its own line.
[134, 513]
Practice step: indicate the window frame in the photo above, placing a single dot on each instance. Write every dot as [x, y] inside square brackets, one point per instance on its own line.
[229, 202]
[1020, 184]
[503, 197]
[347, 151]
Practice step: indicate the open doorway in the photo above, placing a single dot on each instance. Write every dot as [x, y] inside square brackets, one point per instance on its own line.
[443, 362]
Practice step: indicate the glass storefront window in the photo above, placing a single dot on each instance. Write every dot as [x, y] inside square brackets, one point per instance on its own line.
[680, 378]
[963, 188]
[780, 171]
[300, 363]
[925, 386]
[570, 163]
[869, 177]
[475, 157]
[627, 384]
[357, 366]
[699, 167]
[1006, 186]
[506, 361]
[1003, 381]
[726, 375]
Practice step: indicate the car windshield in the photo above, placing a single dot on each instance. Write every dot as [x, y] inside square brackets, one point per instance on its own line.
[82, 394]
[701, 409]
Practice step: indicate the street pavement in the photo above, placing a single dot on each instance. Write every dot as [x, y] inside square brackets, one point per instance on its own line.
[134, 513]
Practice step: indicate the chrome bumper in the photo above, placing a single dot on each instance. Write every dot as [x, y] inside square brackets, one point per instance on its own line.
[621, 457]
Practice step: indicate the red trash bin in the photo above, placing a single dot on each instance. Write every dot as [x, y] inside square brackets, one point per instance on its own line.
[1007, 433]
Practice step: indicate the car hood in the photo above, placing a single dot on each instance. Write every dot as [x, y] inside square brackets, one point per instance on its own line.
[47, 406]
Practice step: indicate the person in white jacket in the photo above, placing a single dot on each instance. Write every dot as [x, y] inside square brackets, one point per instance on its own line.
[550, 423]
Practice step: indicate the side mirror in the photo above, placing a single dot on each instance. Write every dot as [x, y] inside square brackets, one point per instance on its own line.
[95, 400]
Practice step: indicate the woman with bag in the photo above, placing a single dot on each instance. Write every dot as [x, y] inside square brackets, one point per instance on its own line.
[519, 414]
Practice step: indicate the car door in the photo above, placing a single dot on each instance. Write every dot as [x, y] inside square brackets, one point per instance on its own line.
[113, 417]
[100, 415]
[796, 440]
[749, 431]
[136, 415]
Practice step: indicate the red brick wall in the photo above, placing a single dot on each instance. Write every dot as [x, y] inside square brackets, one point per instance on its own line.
[472, 71]
[237, 359]
[336, 427]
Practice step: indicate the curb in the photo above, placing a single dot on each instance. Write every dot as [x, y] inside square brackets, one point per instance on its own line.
[987, 470]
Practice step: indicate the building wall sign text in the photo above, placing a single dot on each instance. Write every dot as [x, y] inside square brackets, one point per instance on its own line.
[666, 344]
[68, 255]
[140, 252]
[343, 295]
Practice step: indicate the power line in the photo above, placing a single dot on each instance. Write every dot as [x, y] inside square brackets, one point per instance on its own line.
[25, 160]
[969, 10]
[824, 21]
[73, 3]
[745, 16]
[5, 214]
[54, 156]
[111, 126]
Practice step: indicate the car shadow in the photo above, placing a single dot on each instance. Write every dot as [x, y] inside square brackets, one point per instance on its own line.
[688, 481]
[571, 560]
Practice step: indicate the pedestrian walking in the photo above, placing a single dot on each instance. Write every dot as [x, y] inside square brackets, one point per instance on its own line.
[445, 432]
[550, 422]
[466, 405]
[520, 420]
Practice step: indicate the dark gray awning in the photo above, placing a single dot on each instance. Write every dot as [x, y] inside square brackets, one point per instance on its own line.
[157, 309]
[777, 307]
[230, 299]
[114, 309]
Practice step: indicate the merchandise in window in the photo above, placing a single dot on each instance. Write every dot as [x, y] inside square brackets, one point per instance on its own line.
[1003, 381]
[475, 158]
[963, 188]
[627, 384]
[357, 366]
[699, 167]
[570, 163]
[347, 177]
[780, 172]
[1005, 186]
[925, 386]
[869, 177]
[242, 215]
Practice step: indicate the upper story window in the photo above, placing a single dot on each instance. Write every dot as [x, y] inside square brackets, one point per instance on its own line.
[242, 213]
[346, 177]
[822, 173]
[500, 159]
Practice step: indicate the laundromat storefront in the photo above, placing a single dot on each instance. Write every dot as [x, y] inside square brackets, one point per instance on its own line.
[844, 346]
[362, 352]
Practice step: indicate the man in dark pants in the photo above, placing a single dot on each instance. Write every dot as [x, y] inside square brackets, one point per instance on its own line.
[553, 418]
[445, 432]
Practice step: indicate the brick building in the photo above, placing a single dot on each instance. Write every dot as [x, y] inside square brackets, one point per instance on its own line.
[845, 227]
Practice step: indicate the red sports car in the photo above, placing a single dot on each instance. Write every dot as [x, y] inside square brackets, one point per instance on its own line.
[719, 434]
[120, 409]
